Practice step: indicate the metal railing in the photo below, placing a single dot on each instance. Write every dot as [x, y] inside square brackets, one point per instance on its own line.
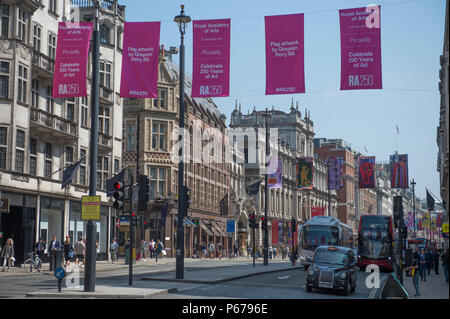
[104, 140]
[106, 94]
[43, 61]
[52, 121]
[104, 4]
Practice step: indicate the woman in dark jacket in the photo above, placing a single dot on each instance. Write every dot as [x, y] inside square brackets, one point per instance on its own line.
[68, 251]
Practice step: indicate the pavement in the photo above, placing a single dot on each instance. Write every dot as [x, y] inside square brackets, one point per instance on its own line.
[434, 287]
[201, 271]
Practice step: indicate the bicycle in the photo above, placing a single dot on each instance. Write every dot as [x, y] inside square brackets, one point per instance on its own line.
[33, 261]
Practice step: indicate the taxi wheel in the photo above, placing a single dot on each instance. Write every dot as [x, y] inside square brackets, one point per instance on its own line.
[348, 288]
[306, 267]
[308, 288]
[353, 288]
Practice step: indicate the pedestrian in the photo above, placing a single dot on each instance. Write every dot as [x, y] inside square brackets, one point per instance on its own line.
[151, 247]
[114, 249]
[414, 268]
[80, 250]
[68, 251]
[204, 251]
[270, 252]
[422, 266]
[211, 250]
[275, 252]
[435, 257]
[235, 250]
[8, 254]
[444, 258]
[294, 257]
[159, 248]
[142, 248]
[220, 250]
[54, 247]
[429, 260]
[248, 251]
[40, 247]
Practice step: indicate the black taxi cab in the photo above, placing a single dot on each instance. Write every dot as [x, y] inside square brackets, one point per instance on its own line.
[333, 267]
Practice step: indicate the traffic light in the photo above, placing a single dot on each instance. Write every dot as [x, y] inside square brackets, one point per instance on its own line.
[118, 195]
[133, 219]
[143, 193]
[263, 223]
[251, 219]
[187, 196]
[293, 225]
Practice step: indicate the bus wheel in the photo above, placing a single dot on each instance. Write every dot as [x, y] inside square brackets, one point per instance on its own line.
[305, 267]
[308, 288]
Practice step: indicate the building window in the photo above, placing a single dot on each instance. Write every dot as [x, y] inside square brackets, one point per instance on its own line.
[37, 30]
[105, 74]
[131, 137]
[4, 79]
[20, 152]
[161, 101]
[104, 120]
[5, 21]
[22, 25]
[102, 171]
[84, 111]
[82, 172]
[50, 103]
[159, 136]
[116, 165]
[22, 84]
[104, 34]
[33, 157]
[48, 160]
[158, 181]
[70, 109]
[3, 146]
[52, 6]
[52, 45]
[69, 155]
[35, 93]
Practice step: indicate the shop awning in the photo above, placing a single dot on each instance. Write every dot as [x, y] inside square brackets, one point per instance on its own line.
[205, 228]
[213, 228]
[185, 221]
[220, 228]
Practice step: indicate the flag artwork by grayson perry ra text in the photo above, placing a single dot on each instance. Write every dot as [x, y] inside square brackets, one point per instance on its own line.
[71, 59]
[304, 168]
[285, 67]
[140, 60]
[360, 48]
[399, 171]
[211, 67]
[367, 172]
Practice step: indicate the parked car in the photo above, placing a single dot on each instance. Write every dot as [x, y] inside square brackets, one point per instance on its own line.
[333, 267]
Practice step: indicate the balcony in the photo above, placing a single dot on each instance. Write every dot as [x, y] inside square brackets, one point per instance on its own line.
[43, 66]
[106, 5]
[49, 124]
[106, 96]
[104, 142]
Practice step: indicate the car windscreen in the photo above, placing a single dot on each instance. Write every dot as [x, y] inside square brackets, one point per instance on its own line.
[375, 244]
[317, 235]
[330, 257]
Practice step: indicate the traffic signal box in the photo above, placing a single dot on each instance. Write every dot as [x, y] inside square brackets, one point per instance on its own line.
[263, 223]
[144, 193]
[118, 195]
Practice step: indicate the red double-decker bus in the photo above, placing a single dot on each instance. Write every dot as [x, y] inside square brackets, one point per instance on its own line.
[376, 241]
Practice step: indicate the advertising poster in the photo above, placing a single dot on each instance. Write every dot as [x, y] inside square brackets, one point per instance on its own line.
[211, 65]
[304, 172]
[399, 171]
[367, 172]
[276, 179]
[72, 50]
[317, 211]
[336, 167]
[360, 48]
[285, 69]
[140, 60]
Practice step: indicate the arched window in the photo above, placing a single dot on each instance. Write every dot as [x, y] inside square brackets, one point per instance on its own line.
[104, 34]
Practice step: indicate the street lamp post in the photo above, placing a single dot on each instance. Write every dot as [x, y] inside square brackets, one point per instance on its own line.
[182, 20]
[266, 193]
[89, 271]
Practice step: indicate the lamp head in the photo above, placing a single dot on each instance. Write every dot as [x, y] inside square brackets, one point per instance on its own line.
[182, 20]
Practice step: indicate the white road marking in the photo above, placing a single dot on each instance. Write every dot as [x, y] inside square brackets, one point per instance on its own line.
[285, 277]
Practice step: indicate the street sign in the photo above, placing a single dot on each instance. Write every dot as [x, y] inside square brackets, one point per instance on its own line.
[90, 207]
[4, 205]
[60, 273]
[231, 226]
[445, 228]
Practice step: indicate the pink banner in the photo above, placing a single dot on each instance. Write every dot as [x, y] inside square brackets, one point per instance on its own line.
[360, 48]
[211, 65]
[71, 59]
[285, 70]
[140, 60]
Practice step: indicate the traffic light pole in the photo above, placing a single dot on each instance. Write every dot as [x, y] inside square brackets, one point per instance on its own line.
[91, 236]
[254, 245]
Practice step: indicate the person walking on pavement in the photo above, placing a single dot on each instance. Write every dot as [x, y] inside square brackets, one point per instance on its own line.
[211, 250]
[235, 250]
[80, 249]
[414, 268]
[40, 247]
[152, 248]
[435, 256]
[444, 258]
[68, 251]
[8, 254]
[114, 249]
[159, 248]
[429, 260]
[275, 252]
[142, 247]
[53, 248]
[423, 266]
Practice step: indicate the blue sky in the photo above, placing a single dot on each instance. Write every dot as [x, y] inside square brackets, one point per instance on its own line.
[412, 34]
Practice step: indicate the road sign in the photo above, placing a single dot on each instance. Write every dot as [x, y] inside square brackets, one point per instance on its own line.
[60, 273]
[231, 226]
[90, 207]
[445, 228]
[4, 205]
